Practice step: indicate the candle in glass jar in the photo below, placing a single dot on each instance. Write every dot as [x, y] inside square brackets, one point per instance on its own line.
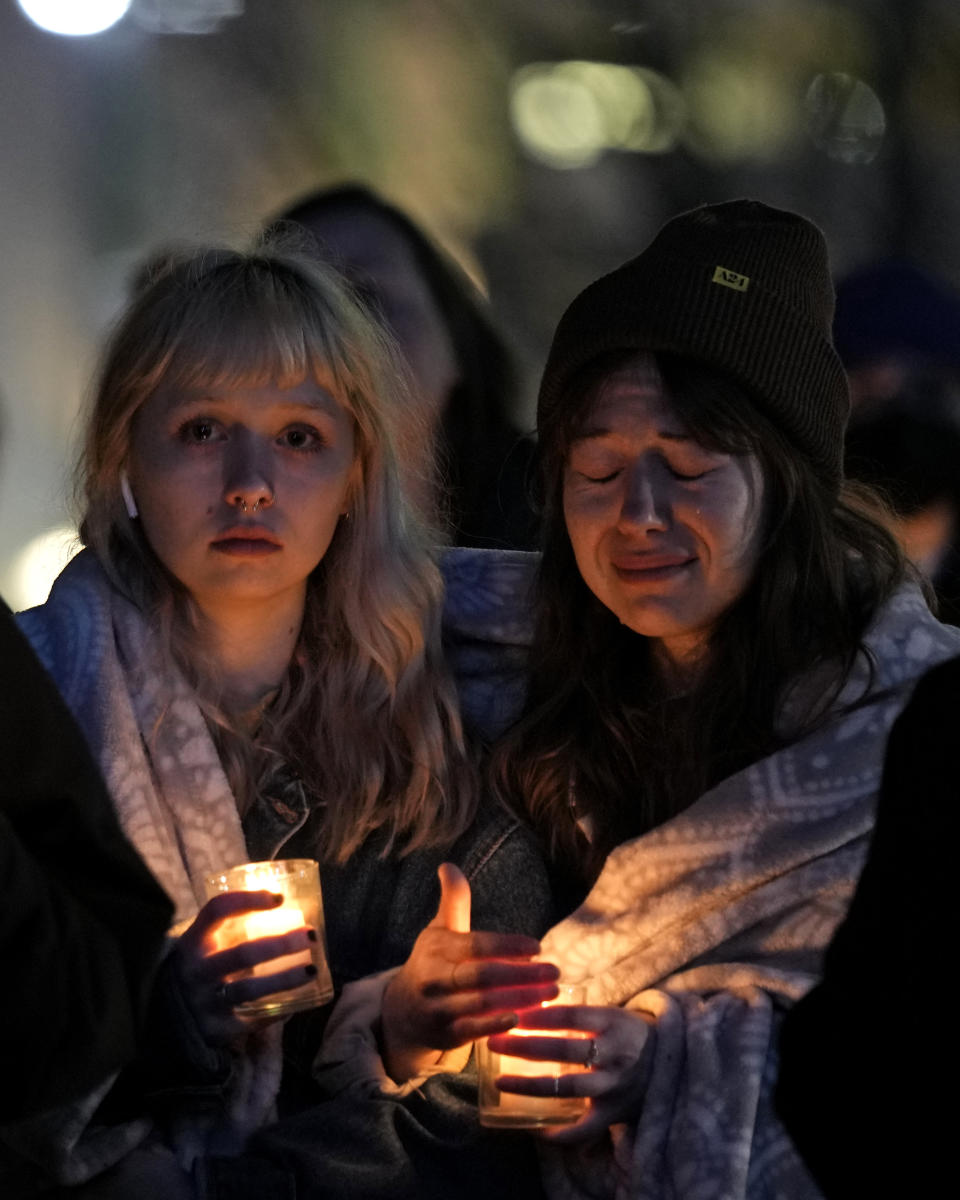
[268, 922]
[298, 882]
[513, 1105]
[511, 1110]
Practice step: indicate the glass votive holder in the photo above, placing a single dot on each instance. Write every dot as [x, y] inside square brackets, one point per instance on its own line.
[298, 881]
[508, 1110]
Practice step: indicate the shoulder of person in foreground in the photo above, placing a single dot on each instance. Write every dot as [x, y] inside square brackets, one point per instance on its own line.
[838, 1068]
[83, 920]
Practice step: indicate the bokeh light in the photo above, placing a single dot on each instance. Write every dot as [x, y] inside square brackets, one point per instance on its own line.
[739, 110]
[556, 117]
[76, 18]
[185, 16]
[845, 118]
[567, 114]
[38, 564]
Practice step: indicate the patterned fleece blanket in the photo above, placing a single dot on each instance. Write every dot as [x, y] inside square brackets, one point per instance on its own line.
[716, 921]
[175, 805]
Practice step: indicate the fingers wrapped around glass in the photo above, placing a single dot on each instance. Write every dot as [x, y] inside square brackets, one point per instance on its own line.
[567, 1067]
[272, 959]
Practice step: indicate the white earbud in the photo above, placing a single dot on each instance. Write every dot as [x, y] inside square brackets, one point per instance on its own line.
[132, 511]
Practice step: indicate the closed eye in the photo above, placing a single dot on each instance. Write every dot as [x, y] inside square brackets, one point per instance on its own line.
[599, 478]
[685, 477]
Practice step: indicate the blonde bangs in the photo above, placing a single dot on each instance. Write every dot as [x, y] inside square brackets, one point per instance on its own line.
[246, 324]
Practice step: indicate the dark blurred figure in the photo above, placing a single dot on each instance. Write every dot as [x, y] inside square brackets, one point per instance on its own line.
[81, 920]
[459, 364]
[894, 322]
[867, 1057]
[909, 449]
[897, 330]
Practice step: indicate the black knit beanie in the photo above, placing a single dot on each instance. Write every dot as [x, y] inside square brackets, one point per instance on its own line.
[740, 287]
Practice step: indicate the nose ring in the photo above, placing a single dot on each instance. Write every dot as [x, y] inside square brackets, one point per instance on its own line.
[256, 507]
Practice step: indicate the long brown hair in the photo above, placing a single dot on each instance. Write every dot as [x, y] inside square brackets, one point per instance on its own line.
[599, 724]
[366, 713]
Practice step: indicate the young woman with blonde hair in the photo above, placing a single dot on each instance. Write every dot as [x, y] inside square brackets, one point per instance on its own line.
[250, 641]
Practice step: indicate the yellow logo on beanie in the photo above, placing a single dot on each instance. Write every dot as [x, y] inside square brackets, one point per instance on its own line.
[730, 279]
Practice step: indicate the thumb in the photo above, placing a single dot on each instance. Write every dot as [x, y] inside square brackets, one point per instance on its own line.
[453, 912]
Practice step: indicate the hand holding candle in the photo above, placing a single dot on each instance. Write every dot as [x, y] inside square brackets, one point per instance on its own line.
[206, 973]
[457, 985]
[541, 1104]
[294, 975]
[606, 1054]
[256, 949]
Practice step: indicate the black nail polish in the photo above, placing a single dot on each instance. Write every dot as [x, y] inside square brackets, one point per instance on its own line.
[312, 935]
[310, 971]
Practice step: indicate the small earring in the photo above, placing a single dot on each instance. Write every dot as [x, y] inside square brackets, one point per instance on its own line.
[131, 505]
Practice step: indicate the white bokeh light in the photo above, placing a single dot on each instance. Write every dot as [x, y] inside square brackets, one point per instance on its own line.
[76, 18]
[38, 564]
[556, 116]
[567, 114]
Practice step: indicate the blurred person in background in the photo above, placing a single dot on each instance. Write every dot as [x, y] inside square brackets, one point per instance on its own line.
[895, 321]
[460, 368]
[908, 448]
[897, 330]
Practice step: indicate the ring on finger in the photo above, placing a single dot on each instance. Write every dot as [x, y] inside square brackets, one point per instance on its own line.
[221, 991]
[556, 1086]
[592, 1054]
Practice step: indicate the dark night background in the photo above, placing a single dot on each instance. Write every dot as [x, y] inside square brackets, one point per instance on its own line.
[543, 141]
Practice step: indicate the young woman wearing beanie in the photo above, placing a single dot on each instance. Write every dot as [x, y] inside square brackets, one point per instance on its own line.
[723, 636]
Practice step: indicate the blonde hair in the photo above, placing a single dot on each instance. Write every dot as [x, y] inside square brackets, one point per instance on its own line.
[366, 713]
